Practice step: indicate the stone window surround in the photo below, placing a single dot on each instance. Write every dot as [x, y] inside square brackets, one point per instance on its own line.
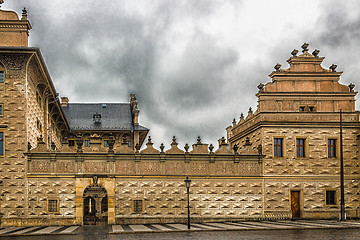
[282, 146]
[337, 146]
[135, 206]
[334, 191]
[49, 205]
[2, 142]
[306, 146]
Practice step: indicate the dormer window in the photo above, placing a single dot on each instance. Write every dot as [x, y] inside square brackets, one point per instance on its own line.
[97, 118]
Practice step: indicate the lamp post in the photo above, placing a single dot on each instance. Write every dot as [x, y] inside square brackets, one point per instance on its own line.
[342, 193]
[187, 184]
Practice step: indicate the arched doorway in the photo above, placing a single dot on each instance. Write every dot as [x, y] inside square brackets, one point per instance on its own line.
[95, 205]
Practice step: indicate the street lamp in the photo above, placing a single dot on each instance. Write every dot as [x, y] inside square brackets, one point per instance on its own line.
[187, 184]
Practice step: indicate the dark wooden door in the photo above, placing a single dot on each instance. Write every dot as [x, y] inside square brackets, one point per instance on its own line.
[295, 204]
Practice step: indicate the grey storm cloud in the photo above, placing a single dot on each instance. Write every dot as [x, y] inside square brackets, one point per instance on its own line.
[194, 65]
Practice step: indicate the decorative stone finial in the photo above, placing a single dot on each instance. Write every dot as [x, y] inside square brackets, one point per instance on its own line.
[198, 140]
[305, 47]
[162, 147]
[247, 142]
[1, 2]
[316, 52]
[174, 142]
[277, 67]
[186, 147]
[294, 52]
[250, 111]
[351, 86]
[235, 148]
[241, 116]
[40, 139]
[234, 122]
[333, 67]
[79, 143]
[149, 141]
[111, 143]
[211, 148]
[261, 87]
[137, 147]
[259, 148]
[53, 146]
[24, 14]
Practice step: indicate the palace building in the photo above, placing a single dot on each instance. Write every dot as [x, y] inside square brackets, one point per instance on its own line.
[66, 163]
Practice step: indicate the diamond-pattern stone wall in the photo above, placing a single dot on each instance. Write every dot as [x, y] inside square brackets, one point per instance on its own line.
[209, 198]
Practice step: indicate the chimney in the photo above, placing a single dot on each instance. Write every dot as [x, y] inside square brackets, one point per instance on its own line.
[64, 101]
[134, 108]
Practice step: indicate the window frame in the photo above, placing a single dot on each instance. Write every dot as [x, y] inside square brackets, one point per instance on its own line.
[2, 143]
[329, 203]
[87, 143]
[57, 205]
[1, 109]
[275, 146]
[106, 142]
[2, 79]
[304, 147]
[73, 141]
[135, 206]
[335, 147]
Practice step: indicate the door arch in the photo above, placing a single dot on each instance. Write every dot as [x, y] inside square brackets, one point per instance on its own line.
[95, 205]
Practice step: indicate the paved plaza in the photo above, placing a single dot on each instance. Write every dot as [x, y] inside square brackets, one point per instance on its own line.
[195, 227]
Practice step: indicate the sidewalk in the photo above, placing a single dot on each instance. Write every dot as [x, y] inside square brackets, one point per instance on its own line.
[177, 227]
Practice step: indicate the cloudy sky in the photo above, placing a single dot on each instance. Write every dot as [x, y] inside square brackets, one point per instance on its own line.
[193, 64]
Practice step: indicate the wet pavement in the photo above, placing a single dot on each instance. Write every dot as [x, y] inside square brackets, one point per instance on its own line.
[301, 229]
[100, 233]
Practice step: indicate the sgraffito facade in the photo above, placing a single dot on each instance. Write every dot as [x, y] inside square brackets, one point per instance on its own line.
[66, 163]
[297, 123]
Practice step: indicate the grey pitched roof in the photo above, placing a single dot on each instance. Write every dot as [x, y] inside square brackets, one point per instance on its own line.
[114, 116]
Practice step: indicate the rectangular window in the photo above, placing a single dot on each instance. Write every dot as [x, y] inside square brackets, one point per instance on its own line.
[138, 206]
[87, 143]
[331, 148]
[278, 142]
[53, 205]
[71, 142]
[311, 109]
[1, 76]
[1, 109]
[300, 147]
[1, 144]
[301, 109]
[38, 125]
[106, 143]
[330, 197]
